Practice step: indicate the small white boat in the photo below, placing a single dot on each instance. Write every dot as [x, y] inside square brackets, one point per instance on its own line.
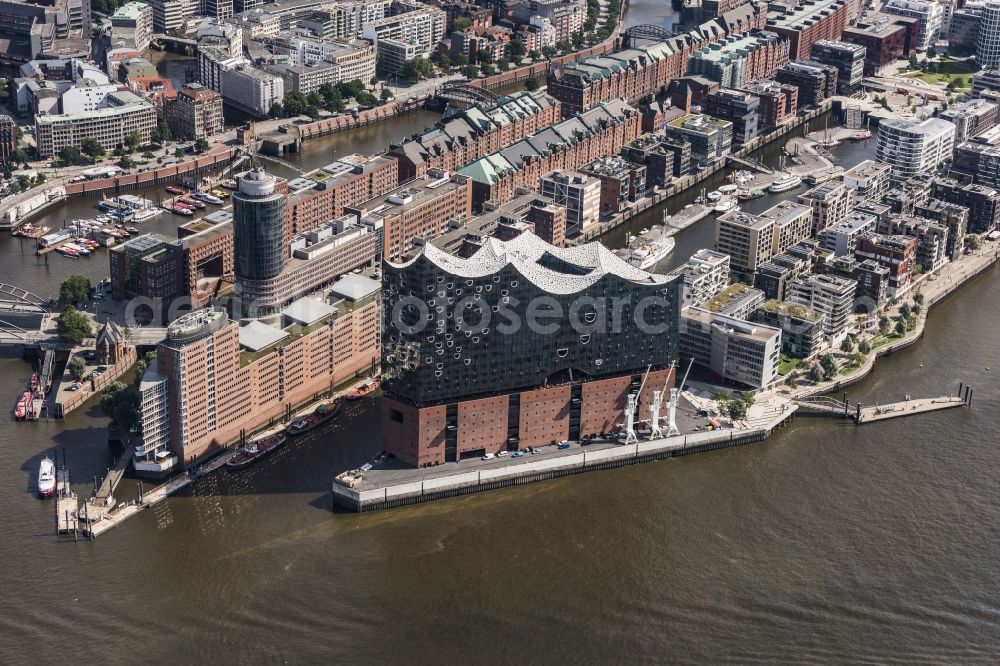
[46, 478]
[725, 206]
[728, 189]
[712, 197]
[650, 253]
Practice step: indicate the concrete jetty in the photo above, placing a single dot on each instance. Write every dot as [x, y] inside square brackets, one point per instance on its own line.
[906, 408]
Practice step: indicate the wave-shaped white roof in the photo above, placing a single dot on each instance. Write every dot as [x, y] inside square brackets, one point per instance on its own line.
[524, 253]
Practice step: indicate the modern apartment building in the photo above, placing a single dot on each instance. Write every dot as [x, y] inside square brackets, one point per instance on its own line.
[252, 90]
[333, 21]
[929, 14]
[171, 14]
[815, 81]
[196, 113]
[830, 295]
[885, 38]
[830, 203]
[910, 148]
[847, 57]
[808, 22]
[971, 118]
[579, 193]
[868, 180]
[746, 238]
[125, 113]
[459, 384]
[740, 108]
[339, 62]
[842, 238]
[983, 202]
[801, 328]
[779, 102]
[895, 252]
[704, 275]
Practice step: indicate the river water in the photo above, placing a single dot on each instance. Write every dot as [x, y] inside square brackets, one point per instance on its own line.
[827, 543]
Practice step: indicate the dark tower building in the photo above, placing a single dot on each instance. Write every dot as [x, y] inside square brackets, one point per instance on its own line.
[258, 238]
[521, 344]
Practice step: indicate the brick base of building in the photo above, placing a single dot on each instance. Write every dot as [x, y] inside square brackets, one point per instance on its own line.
[450, 432]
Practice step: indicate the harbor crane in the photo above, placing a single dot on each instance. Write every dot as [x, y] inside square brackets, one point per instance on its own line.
[631, 406]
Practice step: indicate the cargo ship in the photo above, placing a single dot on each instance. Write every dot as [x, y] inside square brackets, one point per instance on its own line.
[369, 387]
[256, 450]
[320, 415]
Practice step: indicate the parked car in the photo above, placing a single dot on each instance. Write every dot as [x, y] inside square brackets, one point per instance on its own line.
[564, 445]
[502, 454]
[518, 454]
[488, 456]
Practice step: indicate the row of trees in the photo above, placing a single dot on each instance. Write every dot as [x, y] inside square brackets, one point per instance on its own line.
[735, 406]
[328, 97]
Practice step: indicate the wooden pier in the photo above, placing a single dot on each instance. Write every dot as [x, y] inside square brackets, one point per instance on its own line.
[66, 503]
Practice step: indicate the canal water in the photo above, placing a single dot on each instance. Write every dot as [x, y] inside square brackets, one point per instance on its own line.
[827, 543]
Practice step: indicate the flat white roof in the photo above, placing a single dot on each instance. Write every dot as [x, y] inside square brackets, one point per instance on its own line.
[307, 310]
[257, 335]
[354, 287]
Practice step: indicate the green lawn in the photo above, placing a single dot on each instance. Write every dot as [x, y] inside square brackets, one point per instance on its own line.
[786, 365]
[948, 70]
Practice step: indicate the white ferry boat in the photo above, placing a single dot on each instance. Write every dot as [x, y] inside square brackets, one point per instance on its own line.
[784, 183]
[650, 252]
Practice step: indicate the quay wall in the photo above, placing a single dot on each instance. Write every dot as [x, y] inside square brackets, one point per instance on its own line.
[464, 483]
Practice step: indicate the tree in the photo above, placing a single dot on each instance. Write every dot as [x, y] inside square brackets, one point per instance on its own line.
[723, 397]
[373, 81]
[69, 154]
[386, 94]
[904, 310]
[418, 68]
[535, 54]
[816, 374]
[470, 72]
[74, 289]
[737, 410]
[549, 51]
[201, 145]
[489, 69]
[531, 84]
[121, 403]
[864, 347]
[884, 325]
[143, 364]
[460, 23]
[460, 60]
[366, 99]
[133, 140]
[179, 153]
[900, 327]
[918, 298]
[503, 65]
[847, 345]
[76, 367]
[748, 398]
[578, 39]
[73, 326]
[516, 48]
[39, 179]
[19, 155]
[829, 365]
[972, 242]
[914, 64]
[444, 62]
[484, 56]
[92, 148]
[126, 162]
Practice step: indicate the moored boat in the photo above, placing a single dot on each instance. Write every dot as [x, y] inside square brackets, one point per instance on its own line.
[650, 253]
[320, 415]
[784, 183]
[173, 189]
[369, 387]
[748, 195]
[256, 450]
[46, 478]
[725, 205]
[23, 403]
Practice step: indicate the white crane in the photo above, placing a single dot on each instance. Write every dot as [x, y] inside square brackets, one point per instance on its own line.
[631, 406]
[675, 394]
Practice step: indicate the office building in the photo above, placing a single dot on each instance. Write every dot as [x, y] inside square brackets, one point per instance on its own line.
[952, 216]
[929, 15]
[196, 113]
[985, 82]
[848, 58]
[733, 349]
[132, 26]
[911, 148]
[664, 157]
[124, 113]
[48, 29]
[808, 22]
[869, 180]
[258, 239]
[579, 193]
[830, 295]
[886, 39]
[963, 29]
[217, 9]
[747, 239]
[621, 182]
[337, 63]
[711, 138]
[408, 26]
[252, 90]
[171, 15]
[830, 203]
[815, 81]
[330, 22]
[873, 285]
[740, 108]
[459, 384]
[737, 300]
